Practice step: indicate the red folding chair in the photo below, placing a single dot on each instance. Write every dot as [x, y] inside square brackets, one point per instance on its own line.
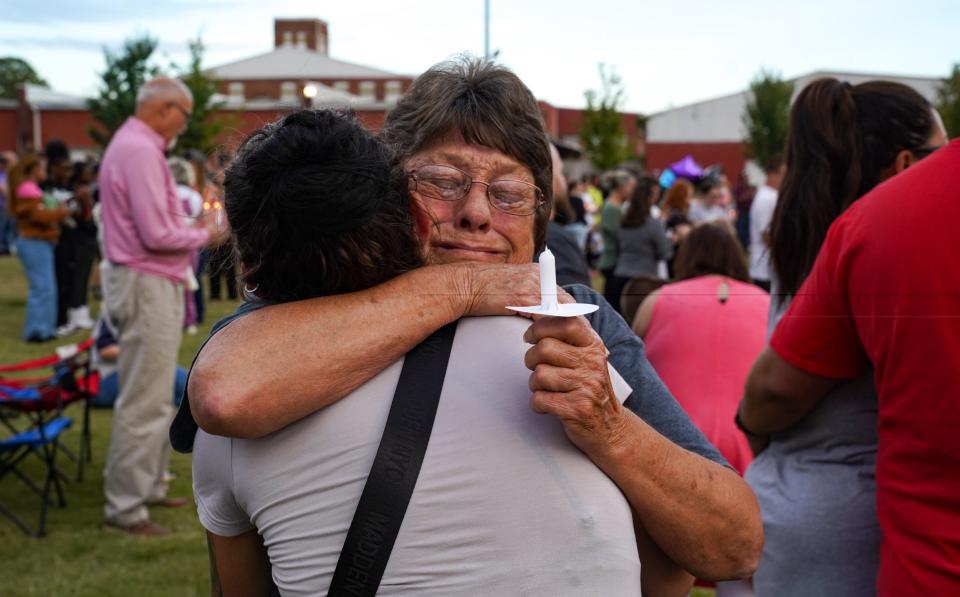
[59, 380]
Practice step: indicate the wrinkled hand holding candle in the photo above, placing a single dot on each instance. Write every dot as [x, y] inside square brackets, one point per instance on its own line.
[548, 294]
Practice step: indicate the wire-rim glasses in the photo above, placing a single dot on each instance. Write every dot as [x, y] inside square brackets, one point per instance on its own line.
[446, 183]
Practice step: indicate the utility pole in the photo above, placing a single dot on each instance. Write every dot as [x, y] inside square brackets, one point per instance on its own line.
[486, 29]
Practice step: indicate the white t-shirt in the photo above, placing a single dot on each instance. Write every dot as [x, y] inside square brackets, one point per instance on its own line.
[504, 504]
[702, 213]
[761, 214]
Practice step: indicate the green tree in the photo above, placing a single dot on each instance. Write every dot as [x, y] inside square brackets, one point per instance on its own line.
[15, 72]
[601, 132]
[116, 99]
[767, 115]
[948, 101]
[206, 124]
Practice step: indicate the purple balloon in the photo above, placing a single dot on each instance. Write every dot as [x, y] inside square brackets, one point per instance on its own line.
[687, 168]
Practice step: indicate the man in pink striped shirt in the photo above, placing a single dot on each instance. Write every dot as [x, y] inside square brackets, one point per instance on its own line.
[147, 243]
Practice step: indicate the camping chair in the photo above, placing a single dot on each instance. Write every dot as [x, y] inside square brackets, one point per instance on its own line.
[67, 378]
[44, 441]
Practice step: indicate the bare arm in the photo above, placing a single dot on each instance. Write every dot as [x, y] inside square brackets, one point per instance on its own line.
[110, 353]
[641, 321]
[778, 395]
[701, 514]
[319, 350]
[33, 210]
[239, 566]
[661, 577]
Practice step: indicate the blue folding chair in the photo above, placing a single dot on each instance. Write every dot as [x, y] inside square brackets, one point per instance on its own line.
[62, 379]
[42, 440]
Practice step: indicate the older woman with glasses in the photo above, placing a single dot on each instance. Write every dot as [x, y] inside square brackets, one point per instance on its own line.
[469, 140]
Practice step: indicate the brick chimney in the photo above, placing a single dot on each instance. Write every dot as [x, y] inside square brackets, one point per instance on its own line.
[307, 34]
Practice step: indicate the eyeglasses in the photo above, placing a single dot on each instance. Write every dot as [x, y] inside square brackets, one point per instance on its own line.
[186, 114]
[446, 183]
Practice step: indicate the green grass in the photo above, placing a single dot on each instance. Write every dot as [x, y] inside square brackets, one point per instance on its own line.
[78, 557]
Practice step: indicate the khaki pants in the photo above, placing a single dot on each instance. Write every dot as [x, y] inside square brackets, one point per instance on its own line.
[147, 311]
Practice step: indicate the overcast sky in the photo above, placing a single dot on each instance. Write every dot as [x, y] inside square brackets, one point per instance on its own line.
[668, 53]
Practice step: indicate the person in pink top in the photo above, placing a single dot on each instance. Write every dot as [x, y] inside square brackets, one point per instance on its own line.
[702, 335]
[38, 228]
[704, 332]
[147, 245]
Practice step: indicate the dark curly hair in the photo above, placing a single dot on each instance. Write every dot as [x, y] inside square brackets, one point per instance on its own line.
[314, 209]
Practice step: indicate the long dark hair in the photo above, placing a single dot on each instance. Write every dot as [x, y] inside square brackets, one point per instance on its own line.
[314, 209]
[639, 209]
[841, 139]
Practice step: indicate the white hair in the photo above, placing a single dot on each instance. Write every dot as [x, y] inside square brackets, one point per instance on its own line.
[163, 88]
[182, 171]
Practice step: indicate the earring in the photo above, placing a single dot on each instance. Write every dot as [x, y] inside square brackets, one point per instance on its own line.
[248, 290]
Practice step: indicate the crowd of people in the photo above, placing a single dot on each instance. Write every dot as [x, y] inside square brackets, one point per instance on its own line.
[50, 220]
[753, 403]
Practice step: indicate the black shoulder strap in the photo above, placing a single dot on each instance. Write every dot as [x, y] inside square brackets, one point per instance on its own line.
[395, 469]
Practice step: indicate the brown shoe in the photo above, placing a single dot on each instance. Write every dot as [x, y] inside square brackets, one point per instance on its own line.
[144, 528]
[170, 502]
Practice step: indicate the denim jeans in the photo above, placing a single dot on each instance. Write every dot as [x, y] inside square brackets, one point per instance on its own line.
[110, 387]
[37, 259]
[8, 231]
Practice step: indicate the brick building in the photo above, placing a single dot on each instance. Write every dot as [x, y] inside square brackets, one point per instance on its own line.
[261, 88]
[300, 57]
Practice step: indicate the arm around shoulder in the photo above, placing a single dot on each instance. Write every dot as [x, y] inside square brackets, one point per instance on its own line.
[283, 362]
[309, 354]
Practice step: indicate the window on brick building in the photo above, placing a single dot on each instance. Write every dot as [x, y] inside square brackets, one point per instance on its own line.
[288, 91]
[393, 90]
[235, 91]
[342, 86]
[288, 38]
[302, 40]
[368, 90]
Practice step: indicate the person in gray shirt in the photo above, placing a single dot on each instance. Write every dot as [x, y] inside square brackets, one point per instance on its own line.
[642, 239]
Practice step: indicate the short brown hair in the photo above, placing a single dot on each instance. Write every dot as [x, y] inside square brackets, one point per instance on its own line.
[711, 248]
[486, 104]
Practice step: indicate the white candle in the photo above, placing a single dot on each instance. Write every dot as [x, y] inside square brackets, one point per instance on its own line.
[548, 281]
